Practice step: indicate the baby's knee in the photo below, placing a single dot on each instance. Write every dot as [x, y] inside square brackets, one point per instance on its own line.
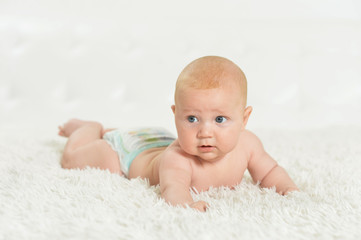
[69, 159]
[66, 160]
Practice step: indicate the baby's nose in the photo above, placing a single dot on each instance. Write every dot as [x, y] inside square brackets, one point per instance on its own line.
[205, 131]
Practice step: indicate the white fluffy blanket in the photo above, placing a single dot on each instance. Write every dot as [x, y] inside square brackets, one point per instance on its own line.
[40, 200]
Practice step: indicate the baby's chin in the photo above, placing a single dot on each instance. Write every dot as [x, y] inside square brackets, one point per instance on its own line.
[209, 157]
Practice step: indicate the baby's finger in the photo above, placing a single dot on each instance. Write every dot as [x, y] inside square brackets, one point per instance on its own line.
[200, 206]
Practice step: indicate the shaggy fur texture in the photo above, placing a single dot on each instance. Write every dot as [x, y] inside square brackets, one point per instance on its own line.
[40, 200]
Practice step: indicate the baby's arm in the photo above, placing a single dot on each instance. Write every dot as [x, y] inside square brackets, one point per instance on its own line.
[264, 168]
[175, 173]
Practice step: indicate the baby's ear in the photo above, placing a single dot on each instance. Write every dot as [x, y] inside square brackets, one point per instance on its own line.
[246, 114]
[173, 109]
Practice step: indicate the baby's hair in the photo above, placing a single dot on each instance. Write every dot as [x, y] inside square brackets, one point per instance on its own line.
[212, 72]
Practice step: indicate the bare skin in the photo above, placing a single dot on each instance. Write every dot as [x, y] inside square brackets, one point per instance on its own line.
[169, 163]
[86, 147]
[213, 147]
[79, 153]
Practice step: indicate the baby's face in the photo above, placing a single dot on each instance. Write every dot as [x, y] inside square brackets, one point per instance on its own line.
[208, 121]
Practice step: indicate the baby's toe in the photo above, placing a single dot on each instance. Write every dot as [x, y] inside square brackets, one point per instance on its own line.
[61, 131]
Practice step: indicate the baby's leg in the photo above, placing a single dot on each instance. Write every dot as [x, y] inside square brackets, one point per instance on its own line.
[86, 147]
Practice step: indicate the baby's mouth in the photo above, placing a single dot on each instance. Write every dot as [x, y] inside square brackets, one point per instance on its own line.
[206, 148]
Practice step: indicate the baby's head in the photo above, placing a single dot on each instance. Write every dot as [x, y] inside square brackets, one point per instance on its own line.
[212, 72]
[210, 106]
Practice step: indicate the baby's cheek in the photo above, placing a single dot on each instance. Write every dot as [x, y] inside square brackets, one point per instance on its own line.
[185, 143]
[229, 142]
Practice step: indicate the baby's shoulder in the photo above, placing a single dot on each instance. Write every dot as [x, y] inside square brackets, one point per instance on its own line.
[250, 141]
[174, 156]
[175, 149]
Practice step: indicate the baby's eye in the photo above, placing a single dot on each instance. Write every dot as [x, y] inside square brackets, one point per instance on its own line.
[192, 119]
[221, 119]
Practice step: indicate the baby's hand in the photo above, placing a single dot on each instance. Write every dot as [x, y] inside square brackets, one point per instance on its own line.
[288, 190]
[199, 205]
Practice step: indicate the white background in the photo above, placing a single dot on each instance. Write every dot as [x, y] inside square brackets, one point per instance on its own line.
[117, 61]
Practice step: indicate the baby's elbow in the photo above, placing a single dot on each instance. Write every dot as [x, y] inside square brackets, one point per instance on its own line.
[270, 173]
[163, 189]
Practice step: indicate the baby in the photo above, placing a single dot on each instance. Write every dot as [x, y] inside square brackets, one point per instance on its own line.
[213, 147]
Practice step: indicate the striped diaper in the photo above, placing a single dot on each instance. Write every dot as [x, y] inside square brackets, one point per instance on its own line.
[128, 144]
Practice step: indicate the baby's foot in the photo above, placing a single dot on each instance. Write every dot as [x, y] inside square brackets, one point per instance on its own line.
[72, 125]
